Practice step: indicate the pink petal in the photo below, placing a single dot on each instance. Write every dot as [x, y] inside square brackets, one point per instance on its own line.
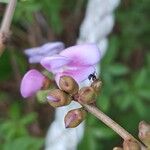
[31, 83]
[79, 75]
[82, 55]
[72, 117]
[54, 62]
[52, 99]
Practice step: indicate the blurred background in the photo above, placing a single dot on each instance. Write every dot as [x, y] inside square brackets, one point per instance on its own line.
[125, 72]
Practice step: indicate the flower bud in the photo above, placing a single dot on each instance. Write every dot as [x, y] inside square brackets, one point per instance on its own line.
[57, 98]
[96, 85]
[117, 148]
[87, 95]
[74, 117]
[144, 133]
[68, 84]
[46, 83]
[130, 145]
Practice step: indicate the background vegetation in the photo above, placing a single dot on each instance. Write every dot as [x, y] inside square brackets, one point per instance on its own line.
[125, 72]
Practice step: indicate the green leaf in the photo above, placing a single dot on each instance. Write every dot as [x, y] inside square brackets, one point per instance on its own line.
[4, 1]
[24, 143]
[30, 118]
[140, 78]
[103, 102]
[112, 51]
[103, 132]
[145, 93]
[124, 102]
[5, 66]
[15, 111]
[118, 69]
[139, 106]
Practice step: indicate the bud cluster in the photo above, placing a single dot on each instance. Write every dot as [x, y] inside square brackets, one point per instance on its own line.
[144, 136]
[68, 91]
[129, 145]
[34, 81]
[144, 133]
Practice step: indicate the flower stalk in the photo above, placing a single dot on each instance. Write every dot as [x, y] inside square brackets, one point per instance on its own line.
[6, 22]
[110, 123]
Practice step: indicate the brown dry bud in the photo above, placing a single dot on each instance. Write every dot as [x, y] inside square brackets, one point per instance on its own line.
[69, 85]
[117, 148]
[131, 145]
[144, 133]
[57, 98]
[97, 84]
[46, 84]
[87, 95]
[74, 117]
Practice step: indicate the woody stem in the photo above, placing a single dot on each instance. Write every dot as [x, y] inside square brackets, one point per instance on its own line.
[110, 123]
[5, 25]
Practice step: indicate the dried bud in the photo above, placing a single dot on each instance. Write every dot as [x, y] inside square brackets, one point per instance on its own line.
[117, 148]
[130, 145]
[87, 95]
[46, 83]
[74, 117]
[69, 85]
[57, 98]
[96, 85]
[144, 133]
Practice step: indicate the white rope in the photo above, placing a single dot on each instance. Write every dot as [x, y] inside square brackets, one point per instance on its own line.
[97, 24]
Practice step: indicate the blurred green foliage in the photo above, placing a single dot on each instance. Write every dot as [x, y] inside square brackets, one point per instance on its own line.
[14, 123]
[125, 95]
[4, 1]
[52, 10]
[125, 72]
[13, 131]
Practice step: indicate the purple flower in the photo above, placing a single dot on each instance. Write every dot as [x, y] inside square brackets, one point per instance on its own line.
[77, 61]
[37, 53]
[32, 81]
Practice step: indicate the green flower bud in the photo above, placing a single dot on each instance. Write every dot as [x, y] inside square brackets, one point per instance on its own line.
[87, 95]
[117, 148]
[131, 145]
[144, 133]
[74, 117]
[57, 98]
[97, 84]
[69, 85]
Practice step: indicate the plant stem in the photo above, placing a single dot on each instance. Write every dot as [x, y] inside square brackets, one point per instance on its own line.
[110, 123]
[5, 25]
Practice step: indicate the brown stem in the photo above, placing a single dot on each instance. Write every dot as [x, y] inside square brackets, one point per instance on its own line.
[5, 25]
[110, 123]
